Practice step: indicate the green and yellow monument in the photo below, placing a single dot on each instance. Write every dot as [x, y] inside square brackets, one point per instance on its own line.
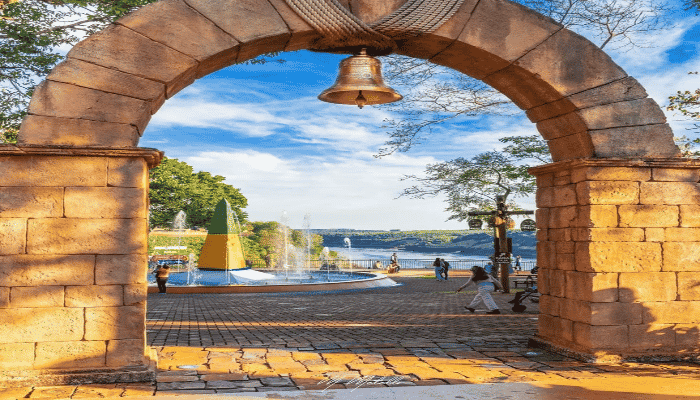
[222, 249]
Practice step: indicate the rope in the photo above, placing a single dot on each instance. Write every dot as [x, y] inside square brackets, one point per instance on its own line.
[343, 32]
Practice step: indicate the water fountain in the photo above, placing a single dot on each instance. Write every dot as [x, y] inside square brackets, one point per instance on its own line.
[294, 265]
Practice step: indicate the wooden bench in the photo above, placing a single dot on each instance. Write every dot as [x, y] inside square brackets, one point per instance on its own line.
[526, 281]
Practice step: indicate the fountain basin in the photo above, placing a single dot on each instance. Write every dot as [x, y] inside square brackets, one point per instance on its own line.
[337, 281]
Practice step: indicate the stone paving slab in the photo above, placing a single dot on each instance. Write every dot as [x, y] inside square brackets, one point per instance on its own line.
[411, 336]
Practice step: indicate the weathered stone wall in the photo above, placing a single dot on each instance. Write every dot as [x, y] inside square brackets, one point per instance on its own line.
[73, 260]
[618, 256]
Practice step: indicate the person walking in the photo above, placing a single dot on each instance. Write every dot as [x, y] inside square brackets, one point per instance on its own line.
[394, 263]
[518, 267]
[445, 267]
[162, 274]
[483, 282]
[492, 270]
[437, 264]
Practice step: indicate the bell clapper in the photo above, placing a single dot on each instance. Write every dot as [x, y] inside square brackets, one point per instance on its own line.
[360, 100]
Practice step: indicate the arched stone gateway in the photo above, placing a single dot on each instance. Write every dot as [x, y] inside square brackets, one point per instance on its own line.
[618, 211]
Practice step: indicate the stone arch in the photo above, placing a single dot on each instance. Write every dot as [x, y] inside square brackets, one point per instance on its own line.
[72, 249]
[584, 105]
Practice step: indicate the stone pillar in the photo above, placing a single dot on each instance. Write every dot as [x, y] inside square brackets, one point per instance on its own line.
[73, 262]
[619, 258]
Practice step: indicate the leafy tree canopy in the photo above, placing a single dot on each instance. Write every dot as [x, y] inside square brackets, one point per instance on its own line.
[473, 184]
[174, 187]
[687, 103]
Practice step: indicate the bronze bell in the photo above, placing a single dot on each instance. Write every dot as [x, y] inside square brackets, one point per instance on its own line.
[360, 82]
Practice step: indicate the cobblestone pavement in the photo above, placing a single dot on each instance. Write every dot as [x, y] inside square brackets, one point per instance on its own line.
[416, 334]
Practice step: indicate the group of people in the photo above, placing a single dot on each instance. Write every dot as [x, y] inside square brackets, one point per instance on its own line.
[441, 267]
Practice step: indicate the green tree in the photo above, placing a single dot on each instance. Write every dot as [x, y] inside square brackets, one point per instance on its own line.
[687, 103]
[174, 187]
[473, 184]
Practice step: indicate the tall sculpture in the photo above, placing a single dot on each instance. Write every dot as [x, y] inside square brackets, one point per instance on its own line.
[222, 249]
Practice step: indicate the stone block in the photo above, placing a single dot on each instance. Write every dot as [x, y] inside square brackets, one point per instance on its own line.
[37, 270]
[560, 235]
[620, 90]
[4, 297]
[106, 202]
[543, 280]
[563, 217]
[186, 31]
[675, 175]
[576, 310]
[592, 287]
[70, 355]
[618, 257]
[13, 235]
[608, 192]
[672, 312]
[542, 234]
[121, 269]
[649, 336]
[601, 337]
[608, 235]
[303, 34]
[610, 174]
[562, 180]
[542, 217]
[563, 125]
[654, 235]
[616, 313]
[135, 294]
[690, 216]
[47, 131]
[94, 296]
[525, 89]
[548, 305]
[35, 202]
[566, 262]
[687, 335]
[546, 254]
[669, 193]
[16, 171]
[688, 286]
[682, 234]
[16, 355]
[564, 196]
[681, 256]
[477, 63]
[545, 197]
[569, 147]
[581, 65]
[114, 47]
[108, 323]
[56, 99]
[545, 180]
[655, 140]
[127, 172]
[648, 216]
[87, 236]
[596, 216]
[557, 283]
[624, 113]
[36, 296]
[264, 31]
[18, 325]
[51, 171]
[565, 247]
[547, 325]
[550, 110]
[110, 80]
[124, 353]
[507, 30]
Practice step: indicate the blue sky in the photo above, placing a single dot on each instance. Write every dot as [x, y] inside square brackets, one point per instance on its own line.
[262, 128]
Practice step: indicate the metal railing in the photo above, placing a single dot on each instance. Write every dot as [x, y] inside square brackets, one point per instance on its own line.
[405, 263]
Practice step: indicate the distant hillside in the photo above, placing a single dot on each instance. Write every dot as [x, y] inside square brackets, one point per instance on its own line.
[469, 242]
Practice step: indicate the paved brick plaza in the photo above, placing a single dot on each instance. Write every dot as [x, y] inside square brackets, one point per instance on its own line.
[415, 334]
